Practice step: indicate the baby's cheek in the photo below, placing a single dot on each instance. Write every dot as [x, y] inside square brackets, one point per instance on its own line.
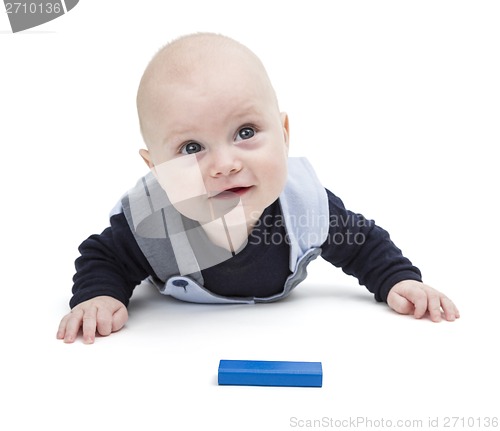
[275, 180]
[181, 178]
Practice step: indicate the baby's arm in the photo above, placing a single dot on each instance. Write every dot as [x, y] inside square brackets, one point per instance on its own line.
[110, 266]
[380, 266]
[364, 250]
[102, 314]
[414, 297]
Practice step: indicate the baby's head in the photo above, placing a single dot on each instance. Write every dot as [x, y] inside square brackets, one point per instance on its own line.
[214, 134]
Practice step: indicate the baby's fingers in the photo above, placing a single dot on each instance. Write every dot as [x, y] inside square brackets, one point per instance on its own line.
[400, 304]
[419, 300]
[62, 328]
[412, 296]
[89, 324]
[408, 297]
[69, 326]
[120, 317]
[434, 305]
[420, 307]
[110, 320]
[449, 308]
[97, 320]
[440, 304]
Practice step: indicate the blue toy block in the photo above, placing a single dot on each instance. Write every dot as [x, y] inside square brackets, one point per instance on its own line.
[270, 373]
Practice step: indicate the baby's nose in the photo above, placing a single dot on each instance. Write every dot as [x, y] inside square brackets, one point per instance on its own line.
[225, 163]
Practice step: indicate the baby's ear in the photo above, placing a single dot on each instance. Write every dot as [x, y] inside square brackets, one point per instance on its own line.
[147, 158]
[286, 128]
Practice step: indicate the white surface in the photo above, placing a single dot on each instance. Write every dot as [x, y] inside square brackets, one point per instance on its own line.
[395, 103]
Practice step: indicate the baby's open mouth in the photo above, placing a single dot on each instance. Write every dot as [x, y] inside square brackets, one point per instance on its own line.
[232, 192]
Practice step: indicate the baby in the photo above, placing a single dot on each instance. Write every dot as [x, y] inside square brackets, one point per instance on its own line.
[225, 216]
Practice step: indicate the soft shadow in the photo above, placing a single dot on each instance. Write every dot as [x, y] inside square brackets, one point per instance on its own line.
[334, 291]
[147, 297]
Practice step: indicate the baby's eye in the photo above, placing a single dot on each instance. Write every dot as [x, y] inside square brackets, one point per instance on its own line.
[191, 148]
[246, 133]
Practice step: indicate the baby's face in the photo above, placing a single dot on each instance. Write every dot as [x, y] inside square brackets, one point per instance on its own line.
[216, 141]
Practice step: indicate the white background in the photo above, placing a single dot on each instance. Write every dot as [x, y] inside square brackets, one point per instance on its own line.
[396, 103]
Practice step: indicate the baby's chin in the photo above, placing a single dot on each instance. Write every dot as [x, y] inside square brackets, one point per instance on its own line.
[234, 207]
[205, 210]
[254, 212]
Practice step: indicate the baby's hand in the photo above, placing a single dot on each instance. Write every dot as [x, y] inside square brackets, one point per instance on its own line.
[413, 297]
[103, 314]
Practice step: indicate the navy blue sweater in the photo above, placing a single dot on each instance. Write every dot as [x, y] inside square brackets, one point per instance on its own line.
[112, 263]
